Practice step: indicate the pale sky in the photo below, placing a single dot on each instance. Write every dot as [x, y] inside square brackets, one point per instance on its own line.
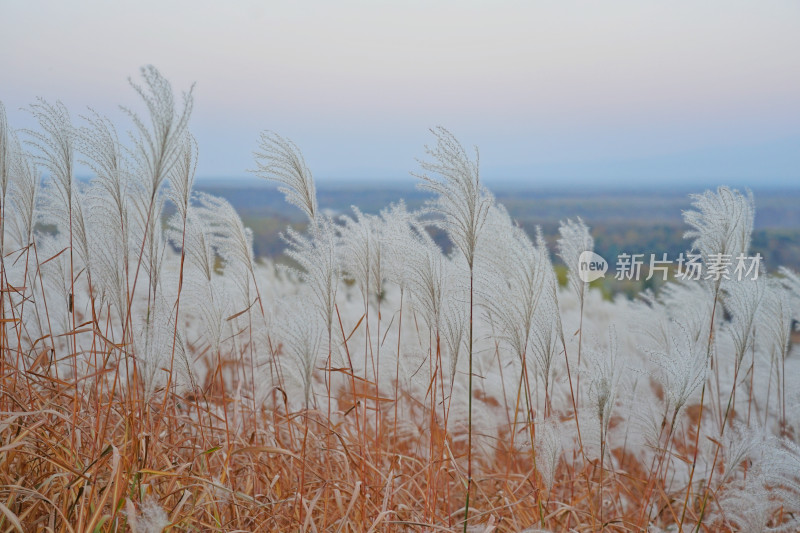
[552, 92]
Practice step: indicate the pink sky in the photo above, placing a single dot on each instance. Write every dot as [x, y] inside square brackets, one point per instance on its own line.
[549, 89]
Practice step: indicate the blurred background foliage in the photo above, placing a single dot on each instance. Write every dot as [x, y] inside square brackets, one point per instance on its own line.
[646, 221]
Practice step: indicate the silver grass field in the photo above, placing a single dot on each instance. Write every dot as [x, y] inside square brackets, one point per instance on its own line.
[155, 375]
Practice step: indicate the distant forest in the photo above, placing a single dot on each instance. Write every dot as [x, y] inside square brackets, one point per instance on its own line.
[621, 221]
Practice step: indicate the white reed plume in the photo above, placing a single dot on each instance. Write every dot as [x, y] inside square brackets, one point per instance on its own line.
[55, 148]
[460, 198]
[721, 227]
[688, 302]
[154, 346]
[280, 160]
[104, 154]
[742, 301]
[359, 245]
[515, 285]
[545, 347]
[181, 179]
[776, 315]
[151, 517]
[791, 281]
[548, 450]
[159, 145]
[20, 207]
[741, 443]
[55, 151]
[398, 234]
[198, 242]
[317, 256]
[776, 474]
[303, 335]
[110, 266]
[749, 507]
[231, 239]
[681, 368]
[147, 229]
[551, 287]
[604, 377]
[455, 318]
[574, 240]
[464, 204]
[109, 193]
[204, 285]
[775, 325]
[721, 222]
[427, 274]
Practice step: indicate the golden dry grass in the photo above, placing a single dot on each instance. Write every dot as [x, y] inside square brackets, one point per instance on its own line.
[78, 464]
